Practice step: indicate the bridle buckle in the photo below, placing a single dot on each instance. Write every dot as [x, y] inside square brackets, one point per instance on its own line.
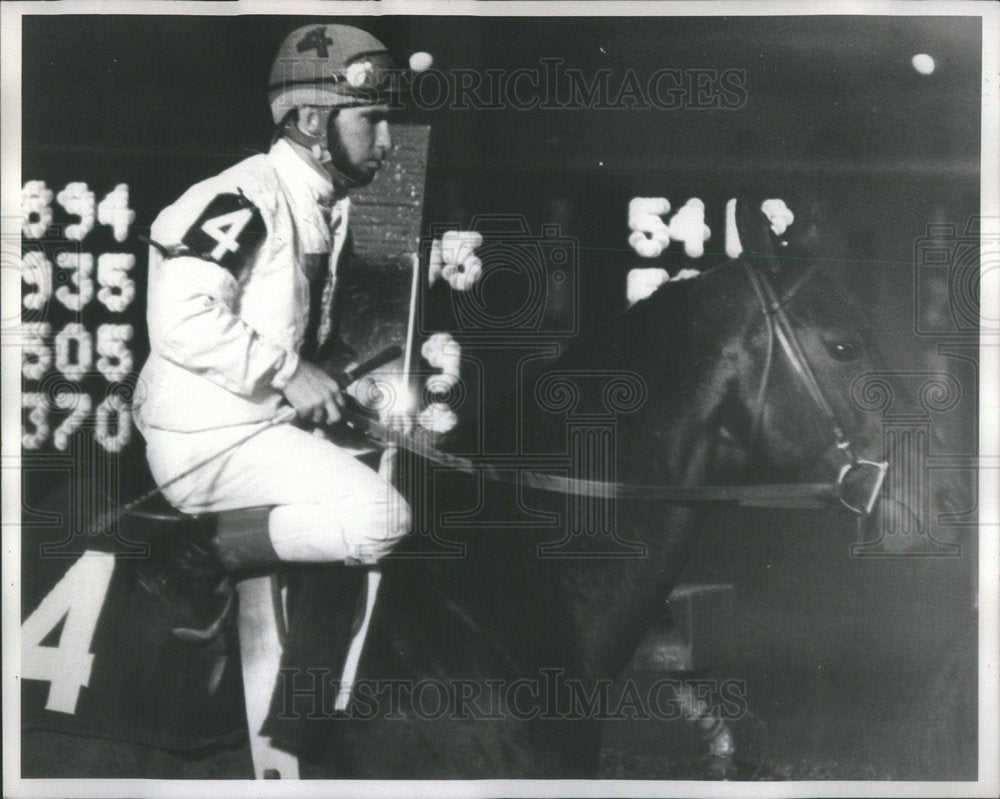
[863, 508]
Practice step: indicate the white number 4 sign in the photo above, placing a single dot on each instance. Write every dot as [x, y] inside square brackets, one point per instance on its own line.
[78, 598]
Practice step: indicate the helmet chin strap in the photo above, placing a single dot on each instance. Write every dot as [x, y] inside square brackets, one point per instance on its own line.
[312, 147]
[341, 180]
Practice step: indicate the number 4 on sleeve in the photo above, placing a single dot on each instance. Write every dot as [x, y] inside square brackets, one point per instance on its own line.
[227, 231]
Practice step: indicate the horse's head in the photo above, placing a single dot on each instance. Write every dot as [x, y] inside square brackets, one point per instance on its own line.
[809, 340]
[804, 340]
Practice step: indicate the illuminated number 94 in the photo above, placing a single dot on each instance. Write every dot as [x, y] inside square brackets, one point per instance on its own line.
[78, 200]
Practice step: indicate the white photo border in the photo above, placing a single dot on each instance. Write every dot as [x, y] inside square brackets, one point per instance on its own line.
[988, 783]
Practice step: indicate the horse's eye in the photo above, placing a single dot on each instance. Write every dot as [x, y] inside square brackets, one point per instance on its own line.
[842, 350]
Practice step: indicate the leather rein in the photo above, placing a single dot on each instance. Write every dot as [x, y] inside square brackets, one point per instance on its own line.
[795, 495]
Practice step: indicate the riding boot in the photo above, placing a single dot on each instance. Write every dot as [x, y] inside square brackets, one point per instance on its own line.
[183, 571]
[242, 540]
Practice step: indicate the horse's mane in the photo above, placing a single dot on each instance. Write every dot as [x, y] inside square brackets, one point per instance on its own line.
[656, 333]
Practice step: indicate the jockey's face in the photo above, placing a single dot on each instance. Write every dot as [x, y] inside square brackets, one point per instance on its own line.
[359, 141]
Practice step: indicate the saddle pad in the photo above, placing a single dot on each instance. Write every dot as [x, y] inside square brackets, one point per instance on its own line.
[98, 654]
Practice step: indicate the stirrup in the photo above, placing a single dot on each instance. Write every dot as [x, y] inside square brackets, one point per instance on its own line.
[215, 627]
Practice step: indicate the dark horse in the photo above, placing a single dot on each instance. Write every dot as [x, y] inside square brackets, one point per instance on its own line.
[496, 664]
[489, 665]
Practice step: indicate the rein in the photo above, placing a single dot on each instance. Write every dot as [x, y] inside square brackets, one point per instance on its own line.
[782, 495]
[798, 495]
[780, 328]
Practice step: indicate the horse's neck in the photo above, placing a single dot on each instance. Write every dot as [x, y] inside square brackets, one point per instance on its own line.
[588, 613]
[610, 602]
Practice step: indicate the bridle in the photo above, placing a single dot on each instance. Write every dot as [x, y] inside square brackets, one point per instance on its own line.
[780, 329]
[798, 495]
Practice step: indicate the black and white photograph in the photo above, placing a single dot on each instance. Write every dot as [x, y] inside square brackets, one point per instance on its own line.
[500, 399]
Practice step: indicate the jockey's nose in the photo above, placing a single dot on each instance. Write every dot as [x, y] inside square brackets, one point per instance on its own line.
[383, 138]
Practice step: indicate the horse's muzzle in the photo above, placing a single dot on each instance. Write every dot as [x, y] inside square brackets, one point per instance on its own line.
[881, 516]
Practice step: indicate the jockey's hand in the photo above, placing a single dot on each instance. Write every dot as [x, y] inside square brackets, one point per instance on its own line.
[314, 394]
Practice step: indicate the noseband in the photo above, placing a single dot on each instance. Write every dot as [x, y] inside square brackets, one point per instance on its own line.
[780, 329]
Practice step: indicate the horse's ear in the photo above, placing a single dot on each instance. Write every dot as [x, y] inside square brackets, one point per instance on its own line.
[772, 231]
[807, 232]
[754, 229]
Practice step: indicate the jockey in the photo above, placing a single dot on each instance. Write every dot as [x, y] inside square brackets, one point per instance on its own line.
[241, 281]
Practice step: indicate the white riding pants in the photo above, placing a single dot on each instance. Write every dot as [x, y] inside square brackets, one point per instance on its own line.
[330, 506]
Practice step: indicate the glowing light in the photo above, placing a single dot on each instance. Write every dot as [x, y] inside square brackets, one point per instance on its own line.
[421, 61]
[396, 398]
[923, 63]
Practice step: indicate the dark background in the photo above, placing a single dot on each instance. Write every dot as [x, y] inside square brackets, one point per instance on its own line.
[839, 653]
[834, 112]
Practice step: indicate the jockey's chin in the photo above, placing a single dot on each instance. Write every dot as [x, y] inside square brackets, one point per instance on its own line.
[352, 175]
[367, 171]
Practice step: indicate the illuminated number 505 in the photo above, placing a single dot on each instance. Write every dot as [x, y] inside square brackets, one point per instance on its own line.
[78, 597]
